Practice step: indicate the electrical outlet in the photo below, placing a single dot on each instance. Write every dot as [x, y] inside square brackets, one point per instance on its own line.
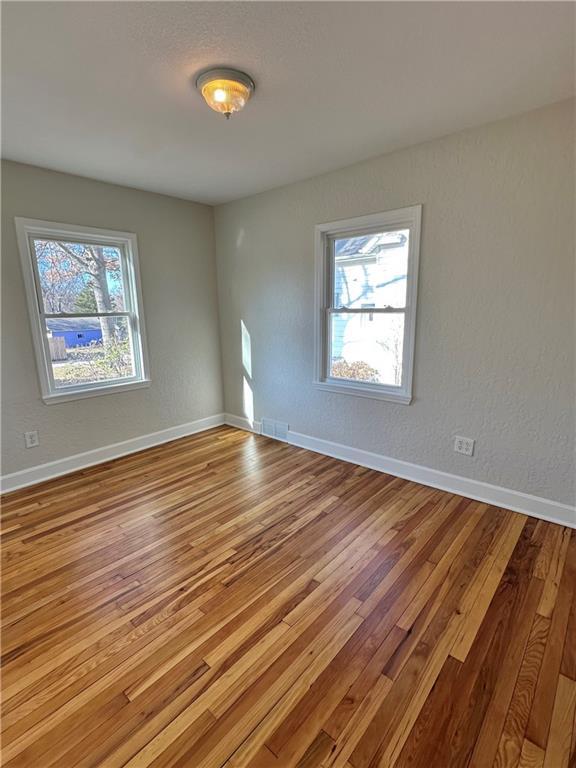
[464, 445]
[31, 439]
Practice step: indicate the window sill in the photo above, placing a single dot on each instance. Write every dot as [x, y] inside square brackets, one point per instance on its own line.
[80, 394]
[375, 393]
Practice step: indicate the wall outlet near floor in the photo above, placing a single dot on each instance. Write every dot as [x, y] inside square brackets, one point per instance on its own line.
[31, 439]
[276, 429]
[464, 445]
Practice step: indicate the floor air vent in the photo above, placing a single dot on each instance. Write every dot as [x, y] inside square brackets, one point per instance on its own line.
[275, 429]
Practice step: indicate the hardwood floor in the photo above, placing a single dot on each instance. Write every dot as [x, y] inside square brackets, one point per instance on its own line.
[228, 600]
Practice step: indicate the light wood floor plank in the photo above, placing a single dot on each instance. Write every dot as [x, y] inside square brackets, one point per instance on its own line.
[229, 600]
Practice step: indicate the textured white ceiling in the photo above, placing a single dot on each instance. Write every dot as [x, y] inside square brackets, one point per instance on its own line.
[102, 89]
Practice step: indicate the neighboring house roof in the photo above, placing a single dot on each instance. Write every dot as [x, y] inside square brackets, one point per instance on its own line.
[73, 324]
[368, 245]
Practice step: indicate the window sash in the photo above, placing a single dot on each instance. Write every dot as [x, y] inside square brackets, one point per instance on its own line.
[134, 346]
[329, 311]
[331, 255]
[332, 308]
[363, 310]
[29, 230]
[124, 258]
[86, 314]
[325, 236]
[130, 314]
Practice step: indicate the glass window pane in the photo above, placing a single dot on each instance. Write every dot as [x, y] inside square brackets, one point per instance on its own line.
[367, 347]
[89, 350]
[371, 270]
[79, 277]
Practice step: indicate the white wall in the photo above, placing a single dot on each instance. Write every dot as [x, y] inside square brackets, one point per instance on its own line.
[176, 249]
[495, 343]
[495, 331]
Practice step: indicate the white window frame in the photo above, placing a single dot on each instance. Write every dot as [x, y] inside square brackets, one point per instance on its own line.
[403, 218]
[126, 242]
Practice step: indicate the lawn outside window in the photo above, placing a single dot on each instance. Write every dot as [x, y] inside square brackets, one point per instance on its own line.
[365, 313]
[85, 304]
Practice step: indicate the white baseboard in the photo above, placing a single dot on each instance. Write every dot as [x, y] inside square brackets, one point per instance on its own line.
[243, 423]
[535, 506]
[51, 469]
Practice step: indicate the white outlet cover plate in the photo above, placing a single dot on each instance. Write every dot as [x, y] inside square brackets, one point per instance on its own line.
[464, 445]
[31, 439]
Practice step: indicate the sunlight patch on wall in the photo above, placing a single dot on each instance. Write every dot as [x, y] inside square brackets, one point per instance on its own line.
[247, 394]
[246, 349]
[248, 401]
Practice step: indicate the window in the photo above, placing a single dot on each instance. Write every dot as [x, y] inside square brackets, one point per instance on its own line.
[83, 290]
[366, 281]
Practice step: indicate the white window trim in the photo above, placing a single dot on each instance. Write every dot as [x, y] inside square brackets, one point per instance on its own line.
[127, 242]
[403, 218]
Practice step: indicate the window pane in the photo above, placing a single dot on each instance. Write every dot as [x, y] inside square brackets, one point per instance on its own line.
[371, 270]
[77, 277]
[367, 347]
[88, 350]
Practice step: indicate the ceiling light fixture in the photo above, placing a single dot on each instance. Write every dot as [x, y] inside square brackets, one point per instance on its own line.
[225, 90]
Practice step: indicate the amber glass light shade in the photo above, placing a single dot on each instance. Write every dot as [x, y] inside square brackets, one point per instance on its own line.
[225, 90]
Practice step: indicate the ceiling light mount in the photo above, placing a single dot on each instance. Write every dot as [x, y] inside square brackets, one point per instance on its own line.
[225, 90]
